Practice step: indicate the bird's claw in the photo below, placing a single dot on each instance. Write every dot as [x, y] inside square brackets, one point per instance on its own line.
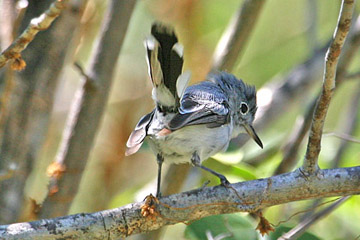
[224, 181]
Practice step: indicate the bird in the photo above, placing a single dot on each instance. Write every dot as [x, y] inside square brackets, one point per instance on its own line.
[189, 124]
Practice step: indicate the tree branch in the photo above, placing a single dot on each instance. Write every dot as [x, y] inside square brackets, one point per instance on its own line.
[257, 194]
[37, 24]
[233, 42]
[86, 112]
[301, 129]
[348, 127]
[310, 164]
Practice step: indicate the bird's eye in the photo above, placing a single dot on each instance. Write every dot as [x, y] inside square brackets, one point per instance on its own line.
[244, 108]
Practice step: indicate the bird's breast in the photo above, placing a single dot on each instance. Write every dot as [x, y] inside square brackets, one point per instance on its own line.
[179, 146]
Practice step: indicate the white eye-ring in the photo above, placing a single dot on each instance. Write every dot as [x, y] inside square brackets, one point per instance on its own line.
[244, 109]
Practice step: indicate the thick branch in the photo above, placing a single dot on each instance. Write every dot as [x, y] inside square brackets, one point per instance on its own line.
[37, 24]
[86, 112]
[234, 40]
[332, 56]
[249, 196]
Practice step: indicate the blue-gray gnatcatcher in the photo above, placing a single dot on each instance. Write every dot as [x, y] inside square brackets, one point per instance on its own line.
[190, 124]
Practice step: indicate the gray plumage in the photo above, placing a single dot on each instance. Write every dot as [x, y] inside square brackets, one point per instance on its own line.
[190, 124]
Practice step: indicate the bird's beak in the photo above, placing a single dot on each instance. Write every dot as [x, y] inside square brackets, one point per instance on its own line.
[251, 131]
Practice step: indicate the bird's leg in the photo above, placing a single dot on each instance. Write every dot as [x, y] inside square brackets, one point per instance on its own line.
[160, 161]
[195, 160]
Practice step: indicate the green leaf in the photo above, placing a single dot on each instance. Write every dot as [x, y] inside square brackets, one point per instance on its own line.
[243, 171]
[236, 225]
[232, 157]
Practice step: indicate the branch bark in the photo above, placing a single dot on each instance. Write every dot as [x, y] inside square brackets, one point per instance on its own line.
[310, 164]
[246, 196]
[87, 110]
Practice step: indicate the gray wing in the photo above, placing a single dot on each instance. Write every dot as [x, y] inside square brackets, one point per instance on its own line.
[203, 103]
[138, 135]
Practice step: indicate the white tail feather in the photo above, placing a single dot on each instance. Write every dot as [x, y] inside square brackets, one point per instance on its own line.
[154, 68]
[182, 83]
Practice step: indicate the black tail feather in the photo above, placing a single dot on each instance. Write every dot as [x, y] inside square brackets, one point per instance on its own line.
[169, 55]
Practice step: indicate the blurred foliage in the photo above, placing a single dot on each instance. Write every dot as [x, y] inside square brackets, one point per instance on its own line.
[279, 42]
[235, 226]
[281, 230]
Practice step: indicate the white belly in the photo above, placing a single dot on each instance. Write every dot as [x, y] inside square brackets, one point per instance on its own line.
[179, 146]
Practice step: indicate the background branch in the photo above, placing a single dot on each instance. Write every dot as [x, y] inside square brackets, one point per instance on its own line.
[303, 123]
[188, 206]
[37, 24]
[305, 224]
[30, 96]
[332, 56]
[348, 125]
[87, 110]
[233, 41]
[280, 93]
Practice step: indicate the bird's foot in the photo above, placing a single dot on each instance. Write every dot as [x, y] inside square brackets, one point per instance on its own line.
[224, 182]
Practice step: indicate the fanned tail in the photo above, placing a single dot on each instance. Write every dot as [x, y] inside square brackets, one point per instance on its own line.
[165, 62]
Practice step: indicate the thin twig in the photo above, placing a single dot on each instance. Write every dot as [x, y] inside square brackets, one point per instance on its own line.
[232, 43]
[13, 52]
[304, 211]
[305, 224]
[310, 164]
[342, 136]
[301, 129]
[86, 112]
[188, 206]
[348, 126]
